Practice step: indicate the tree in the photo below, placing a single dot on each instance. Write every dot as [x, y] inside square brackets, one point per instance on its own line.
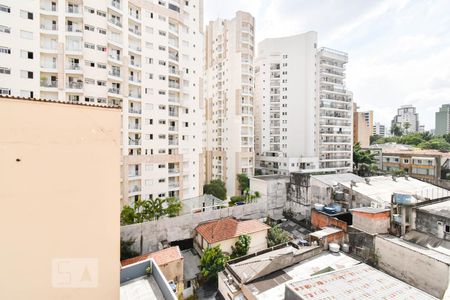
[212, 262]
[174, 207]
[236, 199]
[127, 215]
[244, 182]
[216, 187]
[396, 130]
[406, 125]
[241, 246]
[125, 249]
[277, 236]
[374, 138]
[362, 159]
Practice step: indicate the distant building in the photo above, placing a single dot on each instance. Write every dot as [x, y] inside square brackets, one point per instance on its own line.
[362, 126]
[272, 190]
[356, 282]
[169, 261]
[423, 164]
[443, 120]
[407, 119]
[60, 171]
[225, 233]
[379, 129]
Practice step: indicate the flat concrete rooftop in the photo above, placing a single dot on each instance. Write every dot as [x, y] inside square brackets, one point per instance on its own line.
[441, 209]
[143, 288]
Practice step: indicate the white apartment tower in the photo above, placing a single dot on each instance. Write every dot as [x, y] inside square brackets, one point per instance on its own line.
[229, 88]
[142, 55]
[407, 118]
[303, 113]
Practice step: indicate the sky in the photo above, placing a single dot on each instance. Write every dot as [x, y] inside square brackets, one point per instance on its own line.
[399, 50]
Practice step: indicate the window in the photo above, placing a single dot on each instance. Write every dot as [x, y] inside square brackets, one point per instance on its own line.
[161, 166]
[101, 48]
[89, 46]
[149, 30]
[5, 29]
[161, 180]
[101, 83]
[26, 94]
[89, 99]
[101, 13]
[28, 35]
[26, 74]
[26, 54]
[149, 136]
[6, 9]
[89, 10]
[5, 91]
[89, 81]
[101, 66]
[5, 70]
[148, 45]
[101, 30]
[26, 15]
[89, 27]
[89, 63]
[447, 228]
[5, 50]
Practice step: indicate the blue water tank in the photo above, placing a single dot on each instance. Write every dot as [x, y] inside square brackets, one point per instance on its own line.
[329, 210]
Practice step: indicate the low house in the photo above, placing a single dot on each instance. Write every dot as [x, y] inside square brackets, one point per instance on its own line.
[169, 261]
[225, 233]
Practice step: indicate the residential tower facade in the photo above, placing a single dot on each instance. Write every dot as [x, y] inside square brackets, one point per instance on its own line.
[141, 55]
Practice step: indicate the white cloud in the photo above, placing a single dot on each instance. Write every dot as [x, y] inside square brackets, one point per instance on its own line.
[399, 51]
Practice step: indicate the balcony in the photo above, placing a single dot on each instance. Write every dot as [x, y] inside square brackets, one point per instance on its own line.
[173, 113]
[134, 189]
[114, 90]
[75, 85]
[115, 22]
[48, 65]
[174, 171]
[49, 83]
[174, 185]
[173, 128]
[134, 79]
[49, 7]
[73, 66]
[134, 173]
[73, 28]
[49, 27]
[173, 56]
[135, 47]
[135, 63]
[135, 95]
[173, 142]
[174, 84]
[134, 142]
[114, 73]
[134, 110]
[116, 4]
[134, 126]
[174, 99]
[135, 31]
[114, 56]
[76, 10]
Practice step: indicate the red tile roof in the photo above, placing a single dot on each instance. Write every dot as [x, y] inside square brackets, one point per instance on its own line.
[228, 228]
[161, 257]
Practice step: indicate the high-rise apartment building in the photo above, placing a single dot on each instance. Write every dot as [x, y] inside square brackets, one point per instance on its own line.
[362, 126]
[407, 119]
[443, 120]
[142, 55]
[303, 113]
[228, 85]
[379, 129]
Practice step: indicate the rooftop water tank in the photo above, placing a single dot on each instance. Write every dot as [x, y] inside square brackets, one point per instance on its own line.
[334, 247]
[319, 206]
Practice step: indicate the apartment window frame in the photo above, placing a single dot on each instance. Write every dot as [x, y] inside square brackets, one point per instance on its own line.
[5, 8]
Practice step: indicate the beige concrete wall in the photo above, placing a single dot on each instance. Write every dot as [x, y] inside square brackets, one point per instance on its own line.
[60, 197]
[415, 268]
[174, 271]
[377, 223]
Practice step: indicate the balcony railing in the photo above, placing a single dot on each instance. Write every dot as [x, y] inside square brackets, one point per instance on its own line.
[134, 189]
[135, 95]
[114, 73]
[174, 170]
[114, 90]
[115, 22]
[173, 84]
[49, 84]
[48, 7]
[73, 10]
[135, 63]
[172, 128]
[116, 4]
[134, 79]
[73, 28]
[73, 66]
[134, 173]
[173, 56]
[113, 56]
[48, 65]
[173, 142]
[133, 142]
[173, 113]
[52, 27]
[135, 47]
[134, 126]
[75, 85]
[134, 110]
[135, 31]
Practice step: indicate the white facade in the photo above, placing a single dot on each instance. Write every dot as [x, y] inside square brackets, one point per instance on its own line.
[229, 84]
[407, 118]
[379, 129]
[303, 113]
[142, 55]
